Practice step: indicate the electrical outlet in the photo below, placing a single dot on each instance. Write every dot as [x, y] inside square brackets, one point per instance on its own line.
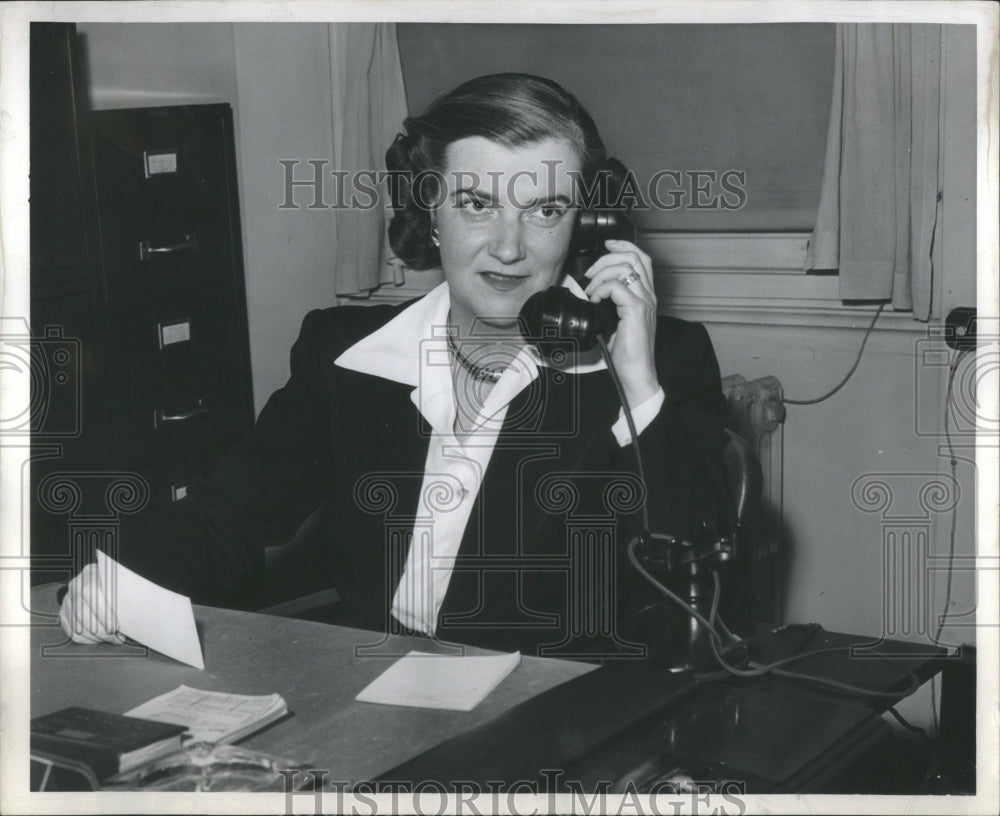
[960, 327]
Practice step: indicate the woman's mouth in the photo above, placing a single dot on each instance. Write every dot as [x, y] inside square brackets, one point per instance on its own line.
[502, 282]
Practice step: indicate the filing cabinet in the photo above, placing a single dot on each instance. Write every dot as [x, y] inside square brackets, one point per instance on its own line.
[173, 295]
[138, 298]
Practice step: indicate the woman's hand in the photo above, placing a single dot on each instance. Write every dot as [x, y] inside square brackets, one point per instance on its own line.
[625, 276]
[87, 613]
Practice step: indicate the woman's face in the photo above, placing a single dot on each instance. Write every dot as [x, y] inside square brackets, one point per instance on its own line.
[504, 225]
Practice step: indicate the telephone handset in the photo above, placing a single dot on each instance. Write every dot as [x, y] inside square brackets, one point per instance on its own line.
[556, 313]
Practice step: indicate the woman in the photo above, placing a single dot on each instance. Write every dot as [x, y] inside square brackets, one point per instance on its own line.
[476, 492]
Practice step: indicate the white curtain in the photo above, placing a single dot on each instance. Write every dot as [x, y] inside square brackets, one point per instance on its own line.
[369, 105]
[879, 204]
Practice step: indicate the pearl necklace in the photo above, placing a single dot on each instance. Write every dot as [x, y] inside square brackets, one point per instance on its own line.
[493, 375]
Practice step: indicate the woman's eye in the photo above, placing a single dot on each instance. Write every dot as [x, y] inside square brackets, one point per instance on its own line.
[473, 205]
[549, 215]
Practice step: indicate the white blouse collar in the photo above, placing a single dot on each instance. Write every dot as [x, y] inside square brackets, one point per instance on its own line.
[418, 334]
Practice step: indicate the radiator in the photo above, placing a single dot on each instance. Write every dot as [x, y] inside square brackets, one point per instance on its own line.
[757, 413]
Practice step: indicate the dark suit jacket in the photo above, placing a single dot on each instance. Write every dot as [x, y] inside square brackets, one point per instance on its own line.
[543, 555]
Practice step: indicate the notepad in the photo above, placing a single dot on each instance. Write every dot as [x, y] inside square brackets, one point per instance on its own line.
[213, 716]
[453, 682]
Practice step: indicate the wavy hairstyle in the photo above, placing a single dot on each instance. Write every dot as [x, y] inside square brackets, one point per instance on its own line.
[509, 109]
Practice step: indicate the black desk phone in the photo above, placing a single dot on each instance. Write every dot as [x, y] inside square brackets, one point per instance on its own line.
[556, 313]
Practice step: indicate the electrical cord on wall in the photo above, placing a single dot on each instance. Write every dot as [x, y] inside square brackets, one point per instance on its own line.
[847, 376]
[957, 356]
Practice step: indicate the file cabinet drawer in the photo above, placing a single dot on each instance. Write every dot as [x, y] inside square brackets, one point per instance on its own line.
[166, 193]
[179, 386]
[169, 481]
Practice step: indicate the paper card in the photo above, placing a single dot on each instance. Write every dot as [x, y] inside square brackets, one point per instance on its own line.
[454, 682]
[153, 616]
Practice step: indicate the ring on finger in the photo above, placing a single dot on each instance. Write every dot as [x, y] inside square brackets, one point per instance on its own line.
[631, 278]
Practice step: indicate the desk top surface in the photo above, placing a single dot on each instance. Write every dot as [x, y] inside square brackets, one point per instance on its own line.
[546, 711]
[316, 667]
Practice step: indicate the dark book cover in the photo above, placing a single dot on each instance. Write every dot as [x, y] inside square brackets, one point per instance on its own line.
[107, 743]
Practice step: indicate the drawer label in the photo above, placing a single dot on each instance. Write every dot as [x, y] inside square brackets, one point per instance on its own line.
[171, 333]
[160, 161]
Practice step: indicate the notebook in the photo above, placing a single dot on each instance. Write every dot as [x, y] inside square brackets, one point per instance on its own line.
[106, 743]
[453, 682]
[213, 716]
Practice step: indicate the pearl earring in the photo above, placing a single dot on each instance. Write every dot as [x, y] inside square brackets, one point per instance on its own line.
[434, 237]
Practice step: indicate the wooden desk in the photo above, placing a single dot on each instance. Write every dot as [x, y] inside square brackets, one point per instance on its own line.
[765, 734]
[314, 666]
[630, 721]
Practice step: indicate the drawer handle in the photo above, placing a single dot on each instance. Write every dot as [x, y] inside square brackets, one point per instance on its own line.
[189, 244]
[161, 417]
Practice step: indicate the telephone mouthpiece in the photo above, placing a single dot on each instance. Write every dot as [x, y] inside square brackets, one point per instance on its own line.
[556, 316]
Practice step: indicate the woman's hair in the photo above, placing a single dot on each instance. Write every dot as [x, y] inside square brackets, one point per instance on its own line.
[509, 109]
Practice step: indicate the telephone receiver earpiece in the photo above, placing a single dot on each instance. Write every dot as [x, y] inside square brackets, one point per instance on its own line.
[556, 314]
[594, 227]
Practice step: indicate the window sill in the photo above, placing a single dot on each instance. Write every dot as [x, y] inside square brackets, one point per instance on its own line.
[753, 278]
[767, 252]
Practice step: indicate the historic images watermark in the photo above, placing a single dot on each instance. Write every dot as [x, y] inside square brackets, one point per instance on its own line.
[36, 422]
[82, 506]
[51, 364]
[665, 190]
[550, 792]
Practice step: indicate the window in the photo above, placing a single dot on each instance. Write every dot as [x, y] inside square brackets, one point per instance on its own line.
[681, 105]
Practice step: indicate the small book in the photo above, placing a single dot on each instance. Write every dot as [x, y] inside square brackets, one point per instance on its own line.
[424, 680]
[106, 743]
[213, 716]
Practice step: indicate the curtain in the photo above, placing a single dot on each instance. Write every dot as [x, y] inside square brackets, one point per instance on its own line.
[369, 105]
[880, 198]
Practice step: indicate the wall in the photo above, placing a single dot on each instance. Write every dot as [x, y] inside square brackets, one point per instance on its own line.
[133, 65]
[885, 421]
[283, 81]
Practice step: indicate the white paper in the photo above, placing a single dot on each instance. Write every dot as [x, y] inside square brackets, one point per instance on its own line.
[212, 716]
[150, 614]
[455, 682]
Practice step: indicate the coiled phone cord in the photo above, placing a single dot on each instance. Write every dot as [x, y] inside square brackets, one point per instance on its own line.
[714, 623]
[757, 669]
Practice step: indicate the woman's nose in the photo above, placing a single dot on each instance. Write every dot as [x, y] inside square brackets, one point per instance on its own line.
[506, 243]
